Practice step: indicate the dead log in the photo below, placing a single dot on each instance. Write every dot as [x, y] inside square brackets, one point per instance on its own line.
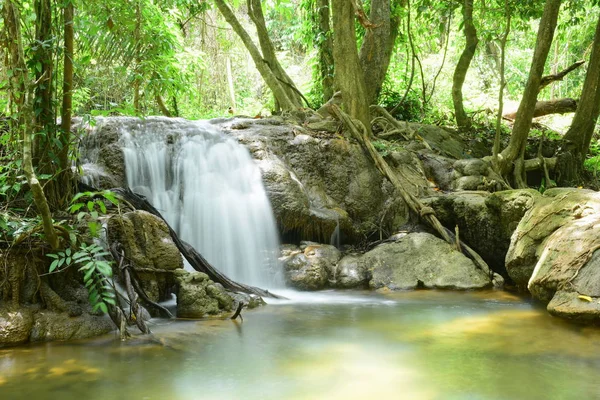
[424, 212]
[557, 106]
[196, 260]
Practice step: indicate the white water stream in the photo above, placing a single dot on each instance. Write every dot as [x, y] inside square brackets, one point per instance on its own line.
[211, 192]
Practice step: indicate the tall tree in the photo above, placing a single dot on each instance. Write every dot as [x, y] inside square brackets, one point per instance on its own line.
[515, 151]
[460, 72]
[377, 46]
[576, 141]
[349, 76]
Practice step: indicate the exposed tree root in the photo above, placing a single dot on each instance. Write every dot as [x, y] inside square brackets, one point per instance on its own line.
[425, 213]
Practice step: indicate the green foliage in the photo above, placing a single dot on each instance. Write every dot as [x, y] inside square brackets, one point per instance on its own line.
[95, 270]
[91, 205]
[385, 147]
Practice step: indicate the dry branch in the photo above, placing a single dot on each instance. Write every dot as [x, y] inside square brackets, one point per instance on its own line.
[548, 79]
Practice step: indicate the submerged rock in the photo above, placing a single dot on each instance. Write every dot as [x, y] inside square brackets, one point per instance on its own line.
[148, 246]
[420, 260]
[53, 326]
[198, 296]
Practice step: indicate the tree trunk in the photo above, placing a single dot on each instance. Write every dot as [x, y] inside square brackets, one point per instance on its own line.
[377, 46]
[576, 141]
[162, 106]
[460, 73]
[516, 148]
[349, 76]
[64, 179]
[501, 70]
[256, 15]
[25, 124]
[286, 102]
[324, 42]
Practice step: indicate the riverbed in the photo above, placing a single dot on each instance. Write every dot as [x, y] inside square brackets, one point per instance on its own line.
[328, 345]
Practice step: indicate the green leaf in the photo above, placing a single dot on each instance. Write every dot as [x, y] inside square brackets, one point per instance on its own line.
[68, 252]
[52, 255]
[102, 207]
[90, 205]
[53, 265]
[103, 308]
[88, 274]
[110, 301]
[75, 207]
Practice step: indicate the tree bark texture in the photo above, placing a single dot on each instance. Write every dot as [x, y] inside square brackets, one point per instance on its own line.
[64, 178]
[576, 141]
[286, 102]
[460, 72]
[349, 76]
[516, 147]
[25, 116]
[377, 46]
[324, 41]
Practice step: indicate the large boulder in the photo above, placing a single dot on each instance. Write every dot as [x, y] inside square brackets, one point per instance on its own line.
[420, 260]
[567, 272]
[545, 230]
[486, 221]
[149, 248]
[310, 268]
[198, 296]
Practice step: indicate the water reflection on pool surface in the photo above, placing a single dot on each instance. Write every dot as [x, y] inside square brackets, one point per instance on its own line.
[328, 345]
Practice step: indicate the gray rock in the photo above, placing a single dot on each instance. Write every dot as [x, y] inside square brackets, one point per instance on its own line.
[351, 273]
[556, 209]
[486, 221]
[422, 260]
[15, 326]
[312, 268]
[569, 305]
[198, 296]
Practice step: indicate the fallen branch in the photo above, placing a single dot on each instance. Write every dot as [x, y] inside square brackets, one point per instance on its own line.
[238, 311]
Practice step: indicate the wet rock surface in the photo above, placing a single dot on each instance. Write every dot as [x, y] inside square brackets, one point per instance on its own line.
[198, 296]
[148, 246]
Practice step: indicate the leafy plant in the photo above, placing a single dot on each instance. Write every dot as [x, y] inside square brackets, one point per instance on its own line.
[92, 206]
[96, 272]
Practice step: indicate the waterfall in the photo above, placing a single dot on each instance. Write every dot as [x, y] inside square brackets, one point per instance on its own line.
[209, 189]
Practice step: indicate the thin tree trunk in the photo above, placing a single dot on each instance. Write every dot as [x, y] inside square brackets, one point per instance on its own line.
[64, 178]
[325, 45]
[256, 15]
[502, 67]
[162, 106]
[516, 147]
[230, 84]
[349, 76]
[277, 87]
[460, 73]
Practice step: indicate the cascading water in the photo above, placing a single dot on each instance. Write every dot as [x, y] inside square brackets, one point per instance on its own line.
[210, 190]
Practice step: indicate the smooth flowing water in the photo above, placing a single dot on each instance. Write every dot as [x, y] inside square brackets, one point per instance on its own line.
[409, 345]
[210, 190]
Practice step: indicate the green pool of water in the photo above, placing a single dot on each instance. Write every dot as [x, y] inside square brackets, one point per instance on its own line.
[344, 345]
